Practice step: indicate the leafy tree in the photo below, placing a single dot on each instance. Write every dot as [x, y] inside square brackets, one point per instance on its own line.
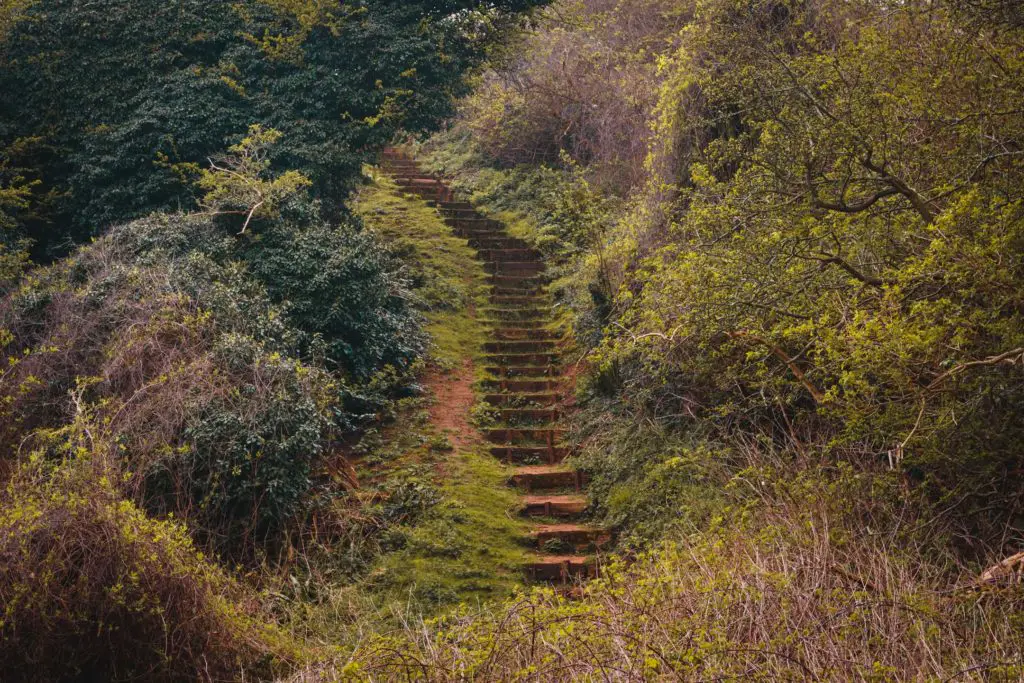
[122, 93]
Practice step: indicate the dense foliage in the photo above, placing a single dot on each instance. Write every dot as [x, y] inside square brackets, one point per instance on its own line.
[188, 374]
[222, 394]
[819, 247]
[118, 102]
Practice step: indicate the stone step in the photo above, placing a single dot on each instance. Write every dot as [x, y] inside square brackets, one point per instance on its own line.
[450, 204]
[579, 537]
[519, 300]
[504, 280]
[552, 476]
[529, 455]
[537, 313]
[561, 568]
[506, 268]
[524, 334]
[520, 385]
[469, 212]
[548, 505]
[425, 181]
[528, 416]
[519, 346]
[531, 372]
[474, 223]
[534, 290]
[537, 327]
[511, 400]
[510, 255]
[539, 359]
[538, 436]
[479, 234]
[497, 242]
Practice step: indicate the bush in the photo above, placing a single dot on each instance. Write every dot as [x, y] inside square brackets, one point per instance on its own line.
[785, 586]
[225, 366]
[92, 589]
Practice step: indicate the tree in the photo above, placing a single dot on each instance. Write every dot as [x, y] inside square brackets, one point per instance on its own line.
[120, 93]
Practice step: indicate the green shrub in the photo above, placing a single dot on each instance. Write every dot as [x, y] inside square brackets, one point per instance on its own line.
[93, 589]
[224, 365]
[128, 99]
[784, 586]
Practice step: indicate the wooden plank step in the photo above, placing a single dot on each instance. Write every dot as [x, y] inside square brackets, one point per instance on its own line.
[524, 334]
[514, 267]
[551, 476]
[519, 300]
[577, 536]
[531, 372]
[520, 385]
[490, 242]
[541, 436]
[510, 255]
[542, 399]
[561, 568]
[524, 456]
[519, 346]
[547, 505]
[529, 416]
[539, 359]
[474, 223]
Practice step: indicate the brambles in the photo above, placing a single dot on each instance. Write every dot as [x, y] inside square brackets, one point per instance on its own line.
[92, 588]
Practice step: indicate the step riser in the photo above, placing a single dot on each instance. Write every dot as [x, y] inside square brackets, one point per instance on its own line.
[510, 254]
[506, 268]
[557, 573]
[525, 386]
[541, 437]
[515, 280]
[527, 455]
[485, 243]
[530, 416]
[578, 540]
[518, 314]
[555, 481]
[513, 372]
[535, 360]
[553, 509]
[518, 335]
[511, 400]
[518, 291]
[534, 327]
[475, 227]
[515, 301]
[526, 346]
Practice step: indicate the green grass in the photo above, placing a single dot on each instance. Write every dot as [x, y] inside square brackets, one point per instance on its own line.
[468, 546]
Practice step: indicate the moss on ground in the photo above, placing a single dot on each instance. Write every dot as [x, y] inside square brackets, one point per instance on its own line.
[461, 541]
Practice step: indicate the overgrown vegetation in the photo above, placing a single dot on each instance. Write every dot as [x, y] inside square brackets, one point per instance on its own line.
[185, 388]
[786, 585]
[820, 246]
[121, 103]
[787, 239]
[789, 234]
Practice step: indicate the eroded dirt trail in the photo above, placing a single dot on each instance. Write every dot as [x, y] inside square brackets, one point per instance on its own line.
[524, 383]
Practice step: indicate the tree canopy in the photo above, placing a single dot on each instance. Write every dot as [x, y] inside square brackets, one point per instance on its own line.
[119, 100]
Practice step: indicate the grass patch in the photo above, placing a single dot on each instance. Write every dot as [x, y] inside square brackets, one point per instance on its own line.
[459, 540]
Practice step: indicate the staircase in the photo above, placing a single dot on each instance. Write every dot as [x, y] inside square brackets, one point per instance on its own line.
[524, 384]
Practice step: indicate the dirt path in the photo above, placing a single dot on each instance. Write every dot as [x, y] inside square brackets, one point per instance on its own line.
[453, 398]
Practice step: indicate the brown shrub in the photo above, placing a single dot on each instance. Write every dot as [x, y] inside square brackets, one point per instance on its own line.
[93, 589]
